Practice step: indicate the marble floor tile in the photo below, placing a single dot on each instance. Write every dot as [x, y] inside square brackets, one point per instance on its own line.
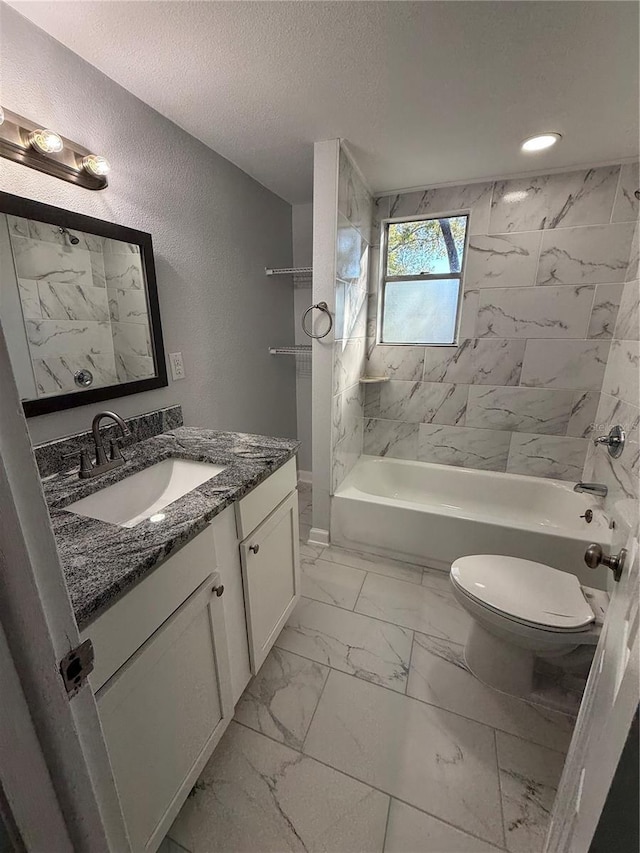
[436, 579]
[309, 551]
[529, 776]
[413, 831]
[170, 846]
[374, 563]
[423, 755]
[424, 609]
[438, 675]
[350, 642]
[331, 582]
[257, 795]
[282, 698]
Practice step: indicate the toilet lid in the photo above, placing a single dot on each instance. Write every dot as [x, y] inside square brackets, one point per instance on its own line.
[524, 590]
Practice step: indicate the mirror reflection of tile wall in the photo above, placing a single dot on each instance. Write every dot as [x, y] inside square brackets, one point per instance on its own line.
[84, 307]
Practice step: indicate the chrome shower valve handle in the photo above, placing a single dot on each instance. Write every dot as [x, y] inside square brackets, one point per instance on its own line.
[614, 441]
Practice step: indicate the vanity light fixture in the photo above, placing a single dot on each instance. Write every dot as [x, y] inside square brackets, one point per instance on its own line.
[96, 165]
[540, 141]
[46, 141]
[27, 142]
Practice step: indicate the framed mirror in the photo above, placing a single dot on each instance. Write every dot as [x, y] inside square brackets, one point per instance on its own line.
[78, 305]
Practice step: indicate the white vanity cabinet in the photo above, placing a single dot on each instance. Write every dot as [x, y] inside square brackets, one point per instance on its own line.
[174, 654]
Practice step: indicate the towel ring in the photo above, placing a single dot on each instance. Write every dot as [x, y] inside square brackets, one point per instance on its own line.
[321, 306]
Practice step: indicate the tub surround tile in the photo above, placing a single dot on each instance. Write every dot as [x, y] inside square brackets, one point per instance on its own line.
[623, 370]
[417, 402]
[97, 269]
[354, 201]
[477, 361]
[628, 321]
[347, 413]
[60, 337]
[431, 611]
[396, 362]
[29, 298]
[525, 312]
[18, 226]
[464, 447]
[131, 339]
[123, 271]
[253, 788]
[427, 757]
[394, 439]
[469, 314]
[331, 583]
[622, 475]
[439, 676]
[582, 197]
[529, 777]
[131, 305]
[583, 414]
[633, 270]
[40, 261]
[348, 363]
[594, 255]
[72, 302]
[380, 211]
[411, 830]
[281, 700]
[56, 374]
[604, 313]
[536, 410]
[473, 197]
[565, 364]
[367, 648]
[553, 456]
[626, 207]
[132, 367]
[507, 260]
[101, 561]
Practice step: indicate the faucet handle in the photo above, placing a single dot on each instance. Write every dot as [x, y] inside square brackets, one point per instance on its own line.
[114, 449]
[85, 461]
[614, 441]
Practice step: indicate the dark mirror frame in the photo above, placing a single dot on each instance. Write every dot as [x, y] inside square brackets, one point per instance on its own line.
[14, 205]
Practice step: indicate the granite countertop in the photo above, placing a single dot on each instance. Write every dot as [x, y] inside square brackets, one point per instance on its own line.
[101, 560]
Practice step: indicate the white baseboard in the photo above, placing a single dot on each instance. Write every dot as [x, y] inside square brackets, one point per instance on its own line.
[304, 476]
[318, 536]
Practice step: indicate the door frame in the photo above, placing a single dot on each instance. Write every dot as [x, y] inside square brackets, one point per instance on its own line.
[56, 777]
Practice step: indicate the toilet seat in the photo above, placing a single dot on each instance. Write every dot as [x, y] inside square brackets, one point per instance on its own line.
[522, 591]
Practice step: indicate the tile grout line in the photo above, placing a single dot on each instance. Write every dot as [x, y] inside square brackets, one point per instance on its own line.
[355, 603]
[386, 826]
[369, 785]
[421, 701]
[413, 642]
[304, 739]
[504, 830]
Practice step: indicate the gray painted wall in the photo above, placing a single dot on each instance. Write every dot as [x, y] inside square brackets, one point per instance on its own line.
[214, 230]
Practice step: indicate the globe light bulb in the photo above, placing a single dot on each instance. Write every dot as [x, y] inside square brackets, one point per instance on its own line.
[96, 165]
[45, 141]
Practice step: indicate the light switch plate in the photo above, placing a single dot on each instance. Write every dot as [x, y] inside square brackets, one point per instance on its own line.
[177, 365]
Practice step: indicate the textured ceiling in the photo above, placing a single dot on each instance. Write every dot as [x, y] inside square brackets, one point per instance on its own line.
[425, 92]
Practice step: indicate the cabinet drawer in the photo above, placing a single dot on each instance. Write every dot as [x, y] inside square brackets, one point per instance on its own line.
[257, 505]
[163, 713]
[271, 577]
[124, 627]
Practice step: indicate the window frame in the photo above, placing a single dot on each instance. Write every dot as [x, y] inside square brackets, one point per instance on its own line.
[383, 278]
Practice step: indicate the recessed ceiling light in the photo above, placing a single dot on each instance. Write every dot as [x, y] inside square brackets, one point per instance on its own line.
[540, 142]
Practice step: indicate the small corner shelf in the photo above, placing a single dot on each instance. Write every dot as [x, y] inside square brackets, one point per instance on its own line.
[373, 380]
[301, 349]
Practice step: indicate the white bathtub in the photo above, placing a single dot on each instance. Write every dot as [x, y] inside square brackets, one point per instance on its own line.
[430, 514]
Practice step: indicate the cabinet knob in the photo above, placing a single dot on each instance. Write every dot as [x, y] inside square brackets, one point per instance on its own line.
[254, 548]
[219, 590]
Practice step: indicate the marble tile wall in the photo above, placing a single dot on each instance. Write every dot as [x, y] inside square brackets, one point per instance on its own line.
[84, 306]
[549, 321]
[353, 248]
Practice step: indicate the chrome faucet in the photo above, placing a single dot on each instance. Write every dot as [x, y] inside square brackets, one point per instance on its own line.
[592, 489]
[102, 464]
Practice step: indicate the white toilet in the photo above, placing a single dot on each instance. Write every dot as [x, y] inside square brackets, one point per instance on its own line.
[522, 610]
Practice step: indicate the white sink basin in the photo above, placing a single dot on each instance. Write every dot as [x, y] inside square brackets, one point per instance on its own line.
[144, 494]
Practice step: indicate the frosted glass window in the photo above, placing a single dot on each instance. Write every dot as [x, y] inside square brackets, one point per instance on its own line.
[422, 280]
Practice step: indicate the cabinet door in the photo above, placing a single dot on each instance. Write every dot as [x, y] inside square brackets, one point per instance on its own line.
[163, 713]
[271, 577]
